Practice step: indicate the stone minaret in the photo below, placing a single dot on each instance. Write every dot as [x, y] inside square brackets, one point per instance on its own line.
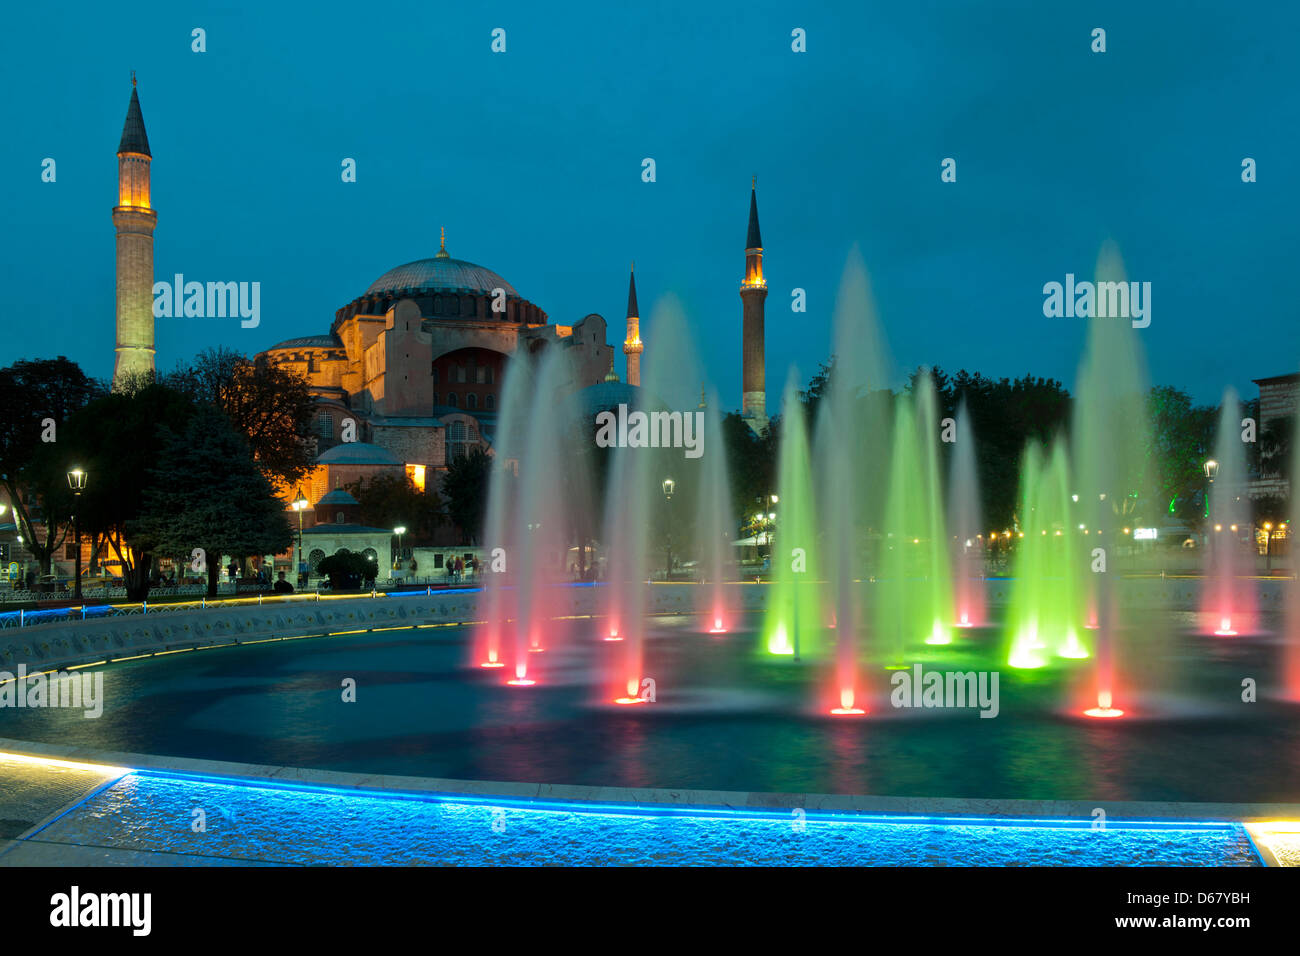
[753, 402]
[134, 218]
[632, 346]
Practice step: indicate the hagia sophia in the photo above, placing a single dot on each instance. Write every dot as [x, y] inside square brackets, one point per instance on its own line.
[409, 375]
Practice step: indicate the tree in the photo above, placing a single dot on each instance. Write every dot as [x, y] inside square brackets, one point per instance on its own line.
[36, 400]
[269, 404]
[752, 463]
[391, 500]
[120, 439]
[1182, 440]
[1005, 416]
[237, 514]
[465, 487]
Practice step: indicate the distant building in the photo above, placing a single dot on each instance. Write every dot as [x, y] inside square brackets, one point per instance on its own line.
[1277, 401]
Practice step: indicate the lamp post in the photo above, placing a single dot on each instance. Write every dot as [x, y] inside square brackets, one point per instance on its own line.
[399, 531]
[669, 487]
[77, 482]
[300, 504]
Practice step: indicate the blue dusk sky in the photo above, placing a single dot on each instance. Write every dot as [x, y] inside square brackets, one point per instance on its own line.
[532, 161]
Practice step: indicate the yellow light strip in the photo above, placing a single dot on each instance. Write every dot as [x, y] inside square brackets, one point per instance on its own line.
[106, 769]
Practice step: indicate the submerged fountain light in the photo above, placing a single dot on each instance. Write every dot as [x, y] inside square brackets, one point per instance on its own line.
[1103, 708]
[521, 680]
[846, 708]
[492, 660]
[633, 685]
[717, 627]
[939, 634]
[1225, 628]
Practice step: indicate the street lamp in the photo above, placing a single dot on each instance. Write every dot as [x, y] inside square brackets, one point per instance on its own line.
[1211, 470]
[77, 482]
[399, 531]
[300, 504]
[669, 487]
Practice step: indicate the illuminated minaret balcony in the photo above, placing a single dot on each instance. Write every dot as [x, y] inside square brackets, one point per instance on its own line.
[632, 345]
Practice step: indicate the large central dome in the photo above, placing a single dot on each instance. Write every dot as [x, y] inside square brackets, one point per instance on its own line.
[441, 273]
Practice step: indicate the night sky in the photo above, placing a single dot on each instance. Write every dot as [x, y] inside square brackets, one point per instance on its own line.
[532, 161]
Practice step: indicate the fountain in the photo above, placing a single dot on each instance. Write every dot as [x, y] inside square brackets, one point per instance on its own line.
[966, 528]
[794, 614]
[1116, 476]
[1228, 599]
[715, 524]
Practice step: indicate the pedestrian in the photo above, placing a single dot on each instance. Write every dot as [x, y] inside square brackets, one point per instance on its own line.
[282, 586]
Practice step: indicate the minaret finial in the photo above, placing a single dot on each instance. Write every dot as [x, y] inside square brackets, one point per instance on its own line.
[754, 183]
[442, 248]
[133, 79]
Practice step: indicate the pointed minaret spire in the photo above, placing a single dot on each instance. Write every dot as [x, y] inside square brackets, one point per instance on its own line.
[754, 240]
[442, 249]
[134, 139]
[134, 219]
[632, 345]
[753, 291]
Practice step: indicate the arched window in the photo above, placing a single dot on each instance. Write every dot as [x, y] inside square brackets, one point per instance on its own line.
[453, 305]
[339, 518]
[437, 305]
[451, 399]
[490, 402]
[325, 425]
[457, 441]
[471, 305]
[315, 558]
[471, 402]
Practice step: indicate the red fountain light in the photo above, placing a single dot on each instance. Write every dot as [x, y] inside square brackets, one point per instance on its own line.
[965, 620]
[1103, 708]
[846, 708]
[1225, 628]
[633, 685]
[718, 627]
[520, 680]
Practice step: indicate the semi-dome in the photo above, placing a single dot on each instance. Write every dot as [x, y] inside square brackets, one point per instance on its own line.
[441, 273]
[357, 453]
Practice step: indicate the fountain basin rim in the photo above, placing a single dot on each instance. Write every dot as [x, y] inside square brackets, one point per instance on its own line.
[650, 801]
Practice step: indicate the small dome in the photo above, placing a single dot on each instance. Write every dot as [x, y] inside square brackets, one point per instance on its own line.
[338, 497]
[357, 453]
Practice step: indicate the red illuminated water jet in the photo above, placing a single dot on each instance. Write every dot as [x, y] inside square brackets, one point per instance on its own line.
[846, 708]
[1225, 628]
[633, 685]
[1103, 708]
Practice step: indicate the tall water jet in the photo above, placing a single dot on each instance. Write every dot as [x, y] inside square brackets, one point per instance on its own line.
[499, 525]
[852, 486]
[1291, 588]
[1228, 599]
[1116, 477]
[938, 573]
[651, 475]
[965, 527]
[715, 525]
[542, 528]
[1044, 611]
[794, 613]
